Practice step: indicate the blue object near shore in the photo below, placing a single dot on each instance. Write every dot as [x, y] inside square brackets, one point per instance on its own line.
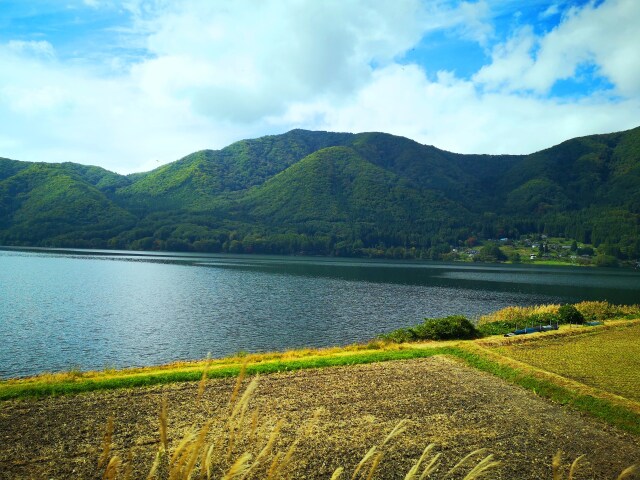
[527, 330]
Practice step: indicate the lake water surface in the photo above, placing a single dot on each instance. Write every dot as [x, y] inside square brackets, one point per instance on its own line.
[68, 309]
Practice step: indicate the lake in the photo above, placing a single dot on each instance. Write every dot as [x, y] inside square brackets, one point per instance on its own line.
[64, 309]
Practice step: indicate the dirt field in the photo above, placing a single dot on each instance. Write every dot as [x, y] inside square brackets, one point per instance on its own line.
[458, 408]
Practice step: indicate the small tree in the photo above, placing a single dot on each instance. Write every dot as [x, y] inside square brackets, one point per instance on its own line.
[491, 253]
[455, 327]
[606, 261]
[569, 314]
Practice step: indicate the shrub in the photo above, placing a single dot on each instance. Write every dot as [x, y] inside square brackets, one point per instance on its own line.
[629, 311]
[400, 335]
[570, 314]
[497, 328]
[606, 261]
[454, 327]
[448, 328]
[490, 253]
[604, 310]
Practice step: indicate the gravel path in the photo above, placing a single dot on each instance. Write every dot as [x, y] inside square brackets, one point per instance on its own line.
[457, 407]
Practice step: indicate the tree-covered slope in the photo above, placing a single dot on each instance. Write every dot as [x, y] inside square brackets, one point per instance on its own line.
[196, 180]
[337, 184]
[586, 188]
[462, 178]
[579, 173]
[49, 203]
[333, 193]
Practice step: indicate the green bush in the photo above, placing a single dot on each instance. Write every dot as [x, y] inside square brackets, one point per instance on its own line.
[606, 261]
[490, 253]
[400, 335]
[448, 328]
[497, 328]
[570, 314]
[454, 327]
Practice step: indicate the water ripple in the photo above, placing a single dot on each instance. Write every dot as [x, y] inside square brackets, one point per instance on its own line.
[92, 310]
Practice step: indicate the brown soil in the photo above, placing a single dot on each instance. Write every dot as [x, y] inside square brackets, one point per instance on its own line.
[458, 408]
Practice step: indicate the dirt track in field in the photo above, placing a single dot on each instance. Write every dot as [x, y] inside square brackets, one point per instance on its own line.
[458, 408]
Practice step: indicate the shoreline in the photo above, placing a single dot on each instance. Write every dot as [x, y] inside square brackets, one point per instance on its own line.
[479, 354]
[237, 360]
[627, 265]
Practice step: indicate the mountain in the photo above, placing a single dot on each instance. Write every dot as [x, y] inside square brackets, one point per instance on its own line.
[65, 203]
[196, 180]
[332, 194]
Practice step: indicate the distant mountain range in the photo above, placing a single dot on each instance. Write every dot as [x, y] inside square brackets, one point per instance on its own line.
[323, 193]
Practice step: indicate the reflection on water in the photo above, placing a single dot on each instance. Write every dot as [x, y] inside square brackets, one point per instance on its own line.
[96, 309]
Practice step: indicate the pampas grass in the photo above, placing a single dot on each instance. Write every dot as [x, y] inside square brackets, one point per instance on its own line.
[196, 456]
[519, 314]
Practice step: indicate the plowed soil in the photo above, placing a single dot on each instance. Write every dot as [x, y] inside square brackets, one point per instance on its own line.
[456, 407]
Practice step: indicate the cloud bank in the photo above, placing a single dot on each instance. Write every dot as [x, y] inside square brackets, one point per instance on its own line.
[168, 78]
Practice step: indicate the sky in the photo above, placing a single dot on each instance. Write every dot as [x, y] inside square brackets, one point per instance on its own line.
[131, 85]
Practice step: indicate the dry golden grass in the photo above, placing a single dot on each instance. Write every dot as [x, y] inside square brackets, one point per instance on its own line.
[516, 314]
[594, 310]
[444, 402]
[557, 468]
[239, 452]
[608, 360]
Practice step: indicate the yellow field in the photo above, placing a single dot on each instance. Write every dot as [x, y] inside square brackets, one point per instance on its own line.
[608, 360]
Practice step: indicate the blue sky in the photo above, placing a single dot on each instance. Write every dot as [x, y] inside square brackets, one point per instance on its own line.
[133, 84]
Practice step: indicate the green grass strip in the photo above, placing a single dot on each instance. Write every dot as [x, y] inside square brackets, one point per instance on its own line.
[39, 390]
[600, 408]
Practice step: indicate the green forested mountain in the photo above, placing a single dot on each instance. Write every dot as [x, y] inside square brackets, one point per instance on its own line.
[198, 179]
[326, 193]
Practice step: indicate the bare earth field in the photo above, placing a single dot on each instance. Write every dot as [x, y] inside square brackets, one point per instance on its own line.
[457, 407]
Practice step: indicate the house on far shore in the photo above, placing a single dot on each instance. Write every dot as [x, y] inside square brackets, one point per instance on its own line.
[532, 257]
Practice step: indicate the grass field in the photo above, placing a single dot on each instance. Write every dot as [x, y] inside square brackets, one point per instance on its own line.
[608, 360]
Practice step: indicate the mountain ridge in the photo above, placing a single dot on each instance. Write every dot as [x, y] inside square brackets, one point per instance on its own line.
[332, 193]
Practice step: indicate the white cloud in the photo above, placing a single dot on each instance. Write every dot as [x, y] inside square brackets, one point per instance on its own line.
[242, 60]
[451, 114]
[473, 21]
[511, 63]
[215, 72]
[552, 10]
[605, 36]
[54, 112]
